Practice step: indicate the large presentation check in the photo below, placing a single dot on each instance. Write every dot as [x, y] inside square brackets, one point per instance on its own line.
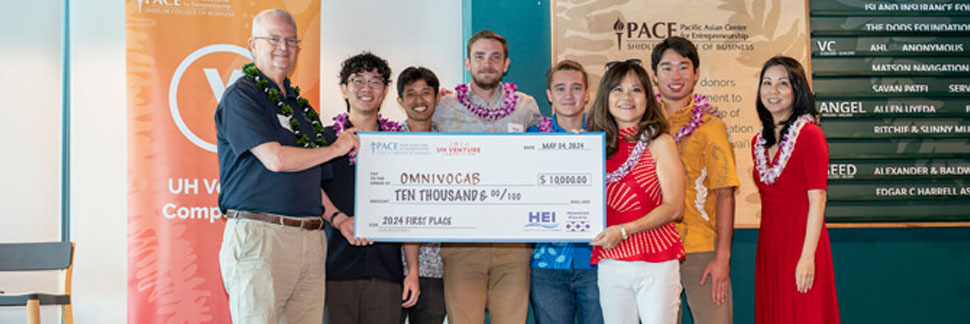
[480, 187]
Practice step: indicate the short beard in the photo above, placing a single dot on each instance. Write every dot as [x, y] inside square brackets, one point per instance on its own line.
[486, 85]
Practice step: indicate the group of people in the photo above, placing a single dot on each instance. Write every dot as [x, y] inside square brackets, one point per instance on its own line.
[287, 192]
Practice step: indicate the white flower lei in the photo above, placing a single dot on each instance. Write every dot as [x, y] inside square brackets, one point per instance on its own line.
[633, 159]
[768, 175]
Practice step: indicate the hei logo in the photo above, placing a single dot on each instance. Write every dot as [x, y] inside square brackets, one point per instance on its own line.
[638, 33]
[376, 147]
[543, 220]
[166, 3]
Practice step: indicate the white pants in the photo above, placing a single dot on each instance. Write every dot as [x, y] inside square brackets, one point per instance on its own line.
[637, 290]
[273, 273]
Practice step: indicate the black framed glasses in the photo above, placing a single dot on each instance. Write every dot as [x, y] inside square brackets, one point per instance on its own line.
[276, 40]
[361, 82]
[611, 64]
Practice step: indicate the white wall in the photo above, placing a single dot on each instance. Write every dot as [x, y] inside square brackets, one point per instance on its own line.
[424, 32]
[30, 94]
[99, 161]
[405, 33]
[30, 137]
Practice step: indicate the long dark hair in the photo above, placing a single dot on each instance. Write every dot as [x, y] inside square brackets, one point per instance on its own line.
[600, 120]
[804, 99]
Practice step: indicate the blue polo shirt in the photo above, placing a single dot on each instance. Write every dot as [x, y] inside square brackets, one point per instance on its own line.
[561, 255]
[244, 119]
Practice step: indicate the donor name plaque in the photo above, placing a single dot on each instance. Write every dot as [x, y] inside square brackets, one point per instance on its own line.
[480, 187]
[892, 83]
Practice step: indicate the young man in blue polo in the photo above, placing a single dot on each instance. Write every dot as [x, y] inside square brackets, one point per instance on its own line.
[563, 286]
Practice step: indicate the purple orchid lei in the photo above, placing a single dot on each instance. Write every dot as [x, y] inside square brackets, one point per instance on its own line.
[768, 175]
[545, 125]
[385, 125]
[632, 160]
[508, 102]
[701, 106]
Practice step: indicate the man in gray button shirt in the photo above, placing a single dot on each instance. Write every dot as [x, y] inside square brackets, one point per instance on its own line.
[480, 276]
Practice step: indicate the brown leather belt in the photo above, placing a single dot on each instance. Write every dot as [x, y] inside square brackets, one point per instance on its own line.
[309, 223]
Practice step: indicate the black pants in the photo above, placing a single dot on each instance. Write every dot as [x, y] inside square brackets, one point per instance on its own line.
[430, 308]
[363, 301]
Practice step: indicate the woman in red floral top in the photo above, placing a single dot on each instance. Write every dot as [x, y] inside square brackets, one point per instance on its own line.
[638, 253]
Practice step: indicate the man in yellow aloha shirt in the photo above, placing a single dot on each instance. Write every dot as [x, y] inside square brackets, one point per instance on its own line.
[708, 224]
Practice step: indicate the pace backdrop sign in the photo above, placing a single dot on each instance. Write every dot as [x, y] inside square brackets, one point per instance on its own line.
[734, 39]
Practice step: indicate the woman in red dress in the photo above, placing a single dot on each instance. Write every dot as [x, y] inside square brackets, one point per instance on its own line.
[638, 253]
[794, 282]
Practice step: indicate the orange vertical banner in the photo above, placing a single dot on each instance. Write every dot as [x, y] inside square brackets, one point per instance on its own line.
[181, 56]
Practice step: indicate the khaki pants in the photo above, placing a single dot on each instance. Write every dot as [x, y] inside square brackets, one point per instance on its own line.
[273, 272]
[702, 306]
[486, 276]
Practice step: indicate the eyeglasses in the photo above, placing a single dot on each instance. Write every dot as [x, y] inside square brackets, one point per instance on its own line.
[360, 82]
[275, 40]
[611, 64]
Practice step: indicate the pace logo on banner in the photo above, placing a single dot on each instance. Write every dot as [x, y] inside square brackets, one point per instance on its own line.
[734, 39]
[181, 56]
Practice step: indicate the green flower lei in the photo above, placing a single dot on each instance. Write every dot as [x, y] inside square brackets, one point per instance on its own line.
[309, 114]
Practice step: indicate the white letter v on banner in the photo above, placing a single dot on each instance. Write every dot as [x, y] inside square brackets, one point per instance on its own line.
[215, 82]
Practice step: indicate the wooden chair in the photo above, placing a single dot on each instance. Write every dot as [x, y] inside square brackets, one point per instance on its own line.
[36, 257]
